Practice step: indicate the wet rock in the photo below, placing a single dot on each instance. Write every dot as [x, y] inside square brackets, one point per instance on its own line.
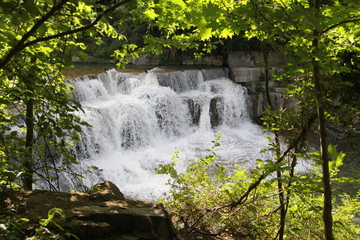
[195, 111]
[257, 106]
[131, 139]
[216, 109]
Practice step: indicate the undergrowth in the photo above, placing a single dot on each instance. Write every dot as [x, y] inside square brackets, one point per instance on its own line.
[208, 201]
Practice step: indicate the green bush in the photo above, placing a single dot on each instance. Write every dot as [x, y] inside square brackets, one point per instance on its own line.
[203, 201]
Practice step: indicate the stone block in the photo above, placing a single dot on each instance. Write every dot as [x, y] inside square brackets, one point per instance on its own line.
[146, 59]
[210, 60]
[253, 59]
[246, 74]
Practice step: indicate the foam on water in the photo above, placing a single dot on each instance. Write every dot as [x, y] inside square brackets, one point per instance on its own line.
[138, 119]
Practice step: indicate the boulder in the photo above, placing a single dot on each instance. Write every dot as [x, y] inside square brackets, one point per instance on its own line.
[106, 191]
[216, 111]
[195, 110]
[101, 214]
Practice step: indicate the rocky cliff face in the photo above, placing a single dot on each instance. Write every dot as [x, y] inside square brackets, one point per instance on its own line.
[102, 214]
[247, 68]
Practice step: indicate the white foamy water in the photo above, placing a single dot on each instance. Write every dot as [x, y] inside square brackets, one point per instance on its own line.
[138, 119]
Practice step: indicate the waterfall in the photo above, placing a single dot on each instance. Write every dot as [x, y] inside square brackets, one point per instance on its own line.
[138, 119]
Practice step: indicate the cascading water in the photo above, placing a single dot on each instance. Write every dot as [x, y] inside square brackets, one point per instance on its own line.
[138, 119]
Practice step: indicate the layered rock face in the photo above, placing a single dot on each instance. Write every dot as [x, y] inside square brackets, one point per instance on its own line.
[102, 214]
[247, 68]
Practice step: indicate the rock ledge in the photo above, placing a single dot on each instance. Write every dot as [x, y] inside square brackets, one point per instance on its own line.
[103, 214]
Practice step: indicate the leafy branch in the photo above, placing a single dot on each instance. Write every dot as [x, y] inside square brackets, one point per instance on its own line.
[22, 44]
[339, 24]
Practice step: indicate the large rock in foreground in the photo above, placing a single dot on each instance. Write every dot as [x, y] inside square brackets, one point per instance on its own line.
[102, 214]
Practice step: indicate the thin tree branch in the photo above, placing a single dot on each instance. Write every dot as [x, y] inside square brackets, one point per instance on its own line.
[339, 24]
[22, 44]
[266, 173]
[81, 29]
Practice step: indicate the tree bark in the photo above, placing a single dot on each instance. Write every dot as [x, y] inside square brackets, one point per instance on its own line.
[281, 231]
[27, 178]
[327, 208]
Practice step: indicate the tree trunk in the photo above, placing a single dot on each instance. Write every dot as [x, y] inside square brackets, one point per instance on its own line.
[281, 231]
[27, 178]
[327, 209]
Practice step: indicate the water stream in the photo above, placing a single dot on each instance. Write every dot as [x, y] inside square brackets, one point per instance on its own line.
[138, 119]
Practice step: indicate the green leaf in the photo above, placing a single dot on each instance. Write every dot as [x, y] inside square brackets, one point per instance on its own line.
[77, 128]
[205, 33]
[226, 33]
[82, 56]
[336, 157]
[251, 208]
[150, 13]
[10, 35]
